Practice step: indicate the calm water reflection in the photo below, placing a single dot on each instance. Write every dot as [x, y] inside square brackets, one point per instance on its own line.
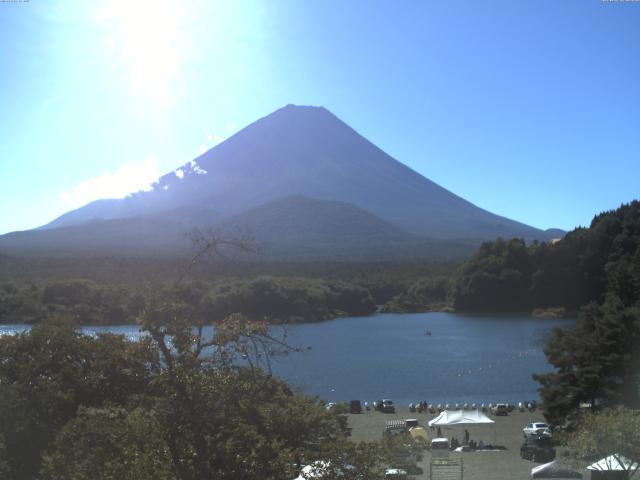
[465, 359]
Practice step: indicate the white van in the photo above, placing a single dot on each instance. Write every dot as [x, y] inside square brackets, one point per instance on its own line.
[440, 448]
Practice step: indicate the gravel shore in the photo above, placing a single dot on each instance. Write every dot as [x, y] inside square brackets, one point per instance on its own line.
[478, 465]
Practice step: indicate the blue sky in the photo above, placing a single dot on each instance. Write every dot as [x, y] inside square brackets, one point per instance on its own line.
[529, 109]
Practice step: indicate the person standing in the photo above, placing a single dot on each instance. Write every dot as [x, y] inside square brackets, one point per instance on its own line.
[466, 436]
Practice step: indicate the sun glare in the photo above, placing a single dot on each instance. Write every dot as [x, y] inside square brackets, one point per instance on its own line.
[147, 39]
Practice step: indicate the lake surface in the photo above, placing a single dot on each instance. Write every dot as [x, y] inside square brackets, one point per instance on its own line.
[479, 359]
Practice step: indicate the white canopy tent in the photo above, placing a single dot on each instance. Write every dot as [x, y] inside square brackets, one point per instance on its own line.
[613, 467]
[461, 418]
[614, 462]
[554, 470]
[449, 418]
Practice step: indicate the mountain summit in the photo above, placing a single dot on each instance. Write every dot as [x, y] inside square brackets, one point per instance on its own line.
[301, 151]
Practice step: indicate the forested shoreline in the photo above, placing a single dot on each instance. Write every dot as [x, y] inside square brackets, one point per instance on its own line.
[288, 300]
[587, 265]
[90, 293]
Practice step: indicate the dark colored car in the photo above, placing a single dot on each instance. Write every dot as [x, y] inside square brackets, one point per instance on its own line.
[538, 448]
[500, 409]
[355, 406]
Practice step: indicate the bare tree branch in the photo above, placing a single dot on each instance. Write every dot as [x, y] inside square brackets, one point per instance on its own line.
[217, 242]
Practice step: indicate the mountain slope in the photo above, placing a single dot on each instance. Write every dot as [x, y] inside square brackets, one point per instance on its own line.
[294, 216]
[299, 227]
[289, 229]
[308, 151]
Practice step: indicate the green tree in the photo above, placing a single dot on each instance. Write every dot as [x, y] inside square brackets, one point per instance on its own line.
[587, 265]
[4, 463]
[109, 443]
[422, 295]
[177, 404]
[597, 362]
[223, 421]
[47, 373]
[612, 432]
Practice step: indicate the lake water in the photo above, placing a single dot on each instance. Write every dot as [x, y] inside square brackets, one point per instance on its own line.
[479, 359]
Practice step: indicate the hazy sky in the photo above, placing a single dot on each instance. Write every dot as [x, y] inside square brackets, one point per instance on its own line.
[529, 109]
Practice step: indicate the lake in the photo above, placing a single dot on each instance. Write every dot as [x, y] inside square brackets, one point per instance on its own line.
[467, 358]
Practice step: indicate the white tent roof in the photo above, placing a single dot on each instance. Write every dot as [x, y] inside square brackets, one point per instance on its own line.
[542, 467]
[613, 462]
[460, 417]
[553, 469]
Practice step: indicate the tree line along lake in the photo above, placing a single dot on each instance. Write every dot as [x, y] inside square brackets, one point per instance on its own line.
[437, 357]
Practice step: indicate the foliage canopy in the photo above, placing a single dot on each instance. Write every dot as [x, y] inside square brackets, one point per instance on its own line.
[613, 432]
[175, 405]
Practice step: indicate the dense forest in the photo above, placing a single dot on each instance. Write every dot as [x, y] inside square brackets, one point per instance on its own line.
[587, 265]
[135, 270]
[91, 293]
[279, 300]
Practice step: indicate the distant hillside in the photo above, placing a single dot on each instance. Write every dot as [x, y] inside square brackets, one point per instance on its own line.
[305, 228]
[298, 215]
[295, 151]
[295, 228]
[128, 236]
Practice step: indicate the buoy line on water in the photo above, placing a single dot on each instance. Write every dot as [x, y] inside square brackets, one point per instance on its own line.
[497, 363]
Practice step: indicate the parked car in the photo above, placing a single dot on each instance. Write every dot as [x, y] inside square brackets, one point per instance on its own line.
[440, 448]
[538, 448]
[396, 474]
[388, 406]
[385, 406]
[355, 406]
[536, 428]
[500, 409]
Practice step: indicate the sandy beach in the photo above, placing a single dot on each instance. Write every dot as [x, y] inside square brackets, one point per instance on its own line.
[478, 465]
